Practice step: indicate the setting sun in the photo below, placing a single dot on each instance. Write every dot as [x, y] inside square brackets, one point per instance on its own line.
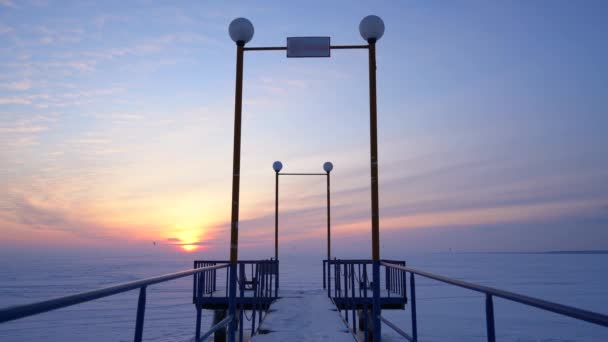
[188, 240]
[189, 248]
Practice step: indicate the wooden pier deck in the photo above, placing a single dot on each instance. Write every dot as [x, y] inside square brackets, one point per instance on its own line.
[303, 315]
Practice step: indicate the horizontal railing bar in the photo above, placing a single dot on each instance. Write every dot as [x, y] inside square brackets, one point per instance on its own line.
[396, 328]
[216, 327]
[265, 48]
[362, 261]
[589, 316]
[238, 262]
[302, 174]
[16, 312]
[345, 47]
[283, 48]
[349, 261]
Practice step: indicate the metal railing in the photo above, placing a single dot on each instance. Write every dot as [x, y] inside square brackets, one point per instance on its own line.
[489, 292]
[22, 311]
[350, 288]
[257, 284]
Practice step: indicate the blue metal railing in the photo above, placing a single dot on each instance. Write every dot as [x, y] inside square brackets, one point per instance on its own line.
[350, 286]
[21, 311]
[489, 292]
[257, 286]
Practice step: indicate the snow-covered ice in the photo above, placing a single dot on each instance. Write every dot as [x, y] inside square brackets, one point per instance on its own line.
[445, 313]
[303, 315]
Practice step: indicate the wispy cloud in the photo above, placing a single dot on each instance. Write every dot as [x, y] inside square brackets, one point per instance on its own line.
[5, 29]
[22, 85]
[127, 116]
[15, 100]
[23, 129]
[102, 20]
[91, 141]
[62, 36]
[8, 3]
[148, 46]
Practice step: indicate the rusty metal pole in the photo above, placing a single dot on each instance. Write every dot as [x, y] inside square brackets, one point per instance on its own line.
[236, 169]
[328, 220]
[276, 216]
[374, 180]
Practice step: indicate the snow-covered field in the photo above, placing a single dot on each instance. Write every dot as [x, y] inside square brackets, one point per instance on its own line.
[445, 313]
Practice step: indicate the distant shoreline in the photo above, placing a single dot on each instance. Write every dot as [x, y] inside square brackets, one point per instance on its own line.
[600, 251]
[578, 252]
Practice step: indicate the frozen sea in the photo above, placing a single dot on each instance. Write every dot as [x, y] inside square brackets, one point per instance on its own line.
[445, 313]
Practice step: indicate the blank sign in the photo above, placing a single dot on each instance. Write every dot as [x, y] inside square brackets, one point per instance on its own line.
[307, 47]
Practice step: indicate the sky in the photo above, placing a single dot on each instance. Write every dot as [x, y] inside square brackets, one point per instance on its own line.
[116, 126]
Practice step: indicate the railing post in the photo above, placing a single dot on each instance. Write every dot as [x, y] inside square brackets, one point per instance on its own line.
[232, 303]
[200, 284]
[262, 286]
[414, 320]
[276, 286]
[345, 267]
[336, 278]
[198, 322]
[141, 308]
[387, 280]
[403, 285]
[376, 302]
[324, 274]
[328, 278]
[242, 293]
[490, 318]
[365, 318]
[255, 297]
[352, 284]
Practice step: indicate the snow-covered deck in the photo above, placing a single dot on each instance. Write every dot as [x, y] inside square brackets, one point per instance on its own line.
[303, 315]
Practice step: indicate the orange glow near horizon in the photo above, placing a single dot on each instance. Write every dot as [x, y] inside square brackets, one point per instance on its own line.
[189, 248]
[190, 239]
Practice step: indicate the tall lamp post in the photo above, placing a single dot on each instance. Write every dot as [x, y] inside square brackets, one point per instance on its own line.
[241, 31]
[372, 29]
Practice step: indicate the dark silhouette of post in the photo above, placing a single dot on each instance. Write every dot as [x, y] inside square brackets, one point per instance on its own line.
[328, 166]
[371, 29]
[328, 221]
[241, 31]
[374, 179]
[276, 216]
[236, 169]
[276, 166]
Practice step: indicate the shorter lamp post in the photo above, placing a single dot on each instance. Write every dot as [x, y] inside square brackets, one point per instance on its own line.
[277, 167]
[328, 166]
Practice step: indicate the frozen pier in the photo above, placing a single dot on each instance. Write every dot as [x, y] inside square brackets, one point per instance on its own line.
[303, 316]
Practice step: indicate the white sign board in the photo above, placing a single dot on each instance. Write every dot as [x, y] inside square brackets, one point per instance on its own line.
[307, 47]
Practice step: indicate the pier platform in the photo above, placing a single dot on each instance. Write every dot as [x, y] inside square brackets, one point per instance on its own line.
[303, 315]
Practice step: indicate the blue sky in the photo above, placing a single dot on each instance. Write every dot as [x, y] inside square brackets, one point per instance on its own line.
[116, 124]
